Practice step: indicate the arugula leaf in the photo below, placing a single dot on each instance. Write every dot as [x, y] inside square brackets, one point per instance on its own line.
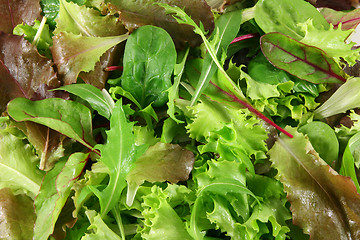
[17, 215]
[75, 53]
[306, 62]
[225, 32]
[99, 100]
[67, 117]
[284, 16]
[119, 154]
[54, 192]
[310, 182]
[18, 164]
[148, 80]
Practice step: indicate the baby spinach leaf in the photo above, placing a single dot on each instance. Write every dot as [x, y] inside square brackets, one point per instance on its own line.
[50, 9]
[351, 159]
[323, 139]
[323, 202]
[119, 154]
[99, 100]
[67, 117]
[75, 53]
[54, 192]
[306, 62]
[148, 80]
[284, 16]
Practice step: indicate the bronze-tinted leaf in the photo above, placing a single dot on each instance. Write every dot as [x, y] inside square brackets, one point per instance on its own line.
[14, 12]
[24, 72]
[324, 204]
[134, 14]
[335, 4]
[17, 215]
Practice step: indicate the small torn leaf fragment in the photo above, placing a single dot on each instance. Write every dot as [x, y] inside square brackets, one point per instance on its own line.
[17, 216]
[14, 12]
[135, 14]
[161, 162]
[67, 117]
[305, 62]
[323, 203]
[54, 192]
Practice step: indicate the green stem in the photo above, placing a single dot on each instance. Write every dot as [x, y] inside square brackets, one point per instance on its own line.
[39, 32]
[116, 212]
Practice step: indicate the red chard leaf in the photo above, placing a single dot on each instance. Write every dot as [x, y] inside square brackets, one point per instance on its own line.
[14, 12]
[335, 4]
[304, 61]
[348, 20]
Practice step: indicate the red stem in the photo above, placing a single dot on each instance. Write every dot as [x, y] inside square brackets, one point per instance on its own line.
[243, 37]
[253, 110]
[113, 68]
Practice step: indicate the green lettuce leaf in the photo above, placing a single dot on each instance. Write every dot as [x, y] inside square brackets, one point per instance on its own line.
[332, 41]
[86, 21]
[310, 182]
[161, 162]
[54, 192]
[17, 216]
[18, 164]
[119, 154]
[67, 117]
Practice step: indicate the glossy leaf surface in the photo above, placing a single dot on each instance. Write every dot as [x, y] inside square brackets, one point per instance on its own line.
[304, 61]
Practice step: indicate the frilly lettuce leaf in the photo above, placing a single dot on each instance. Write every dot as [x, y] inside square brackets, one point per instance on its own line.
[323, 203]
[332, 41]
[160, 219]
[18, 164]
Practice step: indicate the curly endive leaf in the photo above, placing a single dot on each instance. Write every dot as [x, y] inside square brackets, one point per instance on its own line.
[75, 53]
[306, 62]
[323, 203]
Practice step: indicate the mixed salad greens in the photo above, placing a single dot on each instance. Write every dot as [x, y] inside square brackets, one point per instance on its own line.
[179, 119]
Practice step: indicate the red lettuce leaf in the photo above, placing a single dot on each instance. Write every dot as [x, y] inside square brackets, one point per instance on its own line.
[323, 202]
[335, 4]
[24, 72]
[14, 12]
[135, 14]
